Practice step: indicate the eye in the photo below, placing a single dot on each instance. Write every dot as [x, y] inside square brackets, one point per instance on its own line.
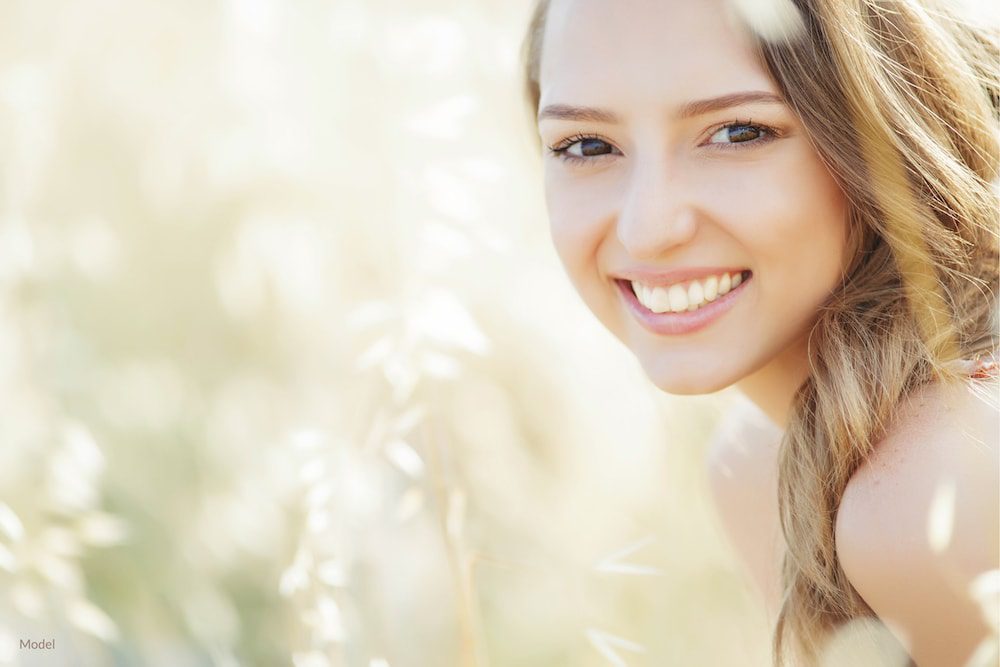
[589, 148]
[583, 148]
[739, 133]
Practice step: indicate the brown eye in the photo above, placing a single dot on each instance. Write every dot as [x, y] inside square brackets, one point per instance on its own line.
[590, 147]
[738, 133]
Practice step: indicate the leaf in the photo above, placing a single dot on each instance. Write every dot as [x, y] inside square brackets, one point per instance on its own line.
[376, 353]
[296, 576]
[405, 458]
[101, 529]
[91, 620]
[10, 524]
[442, 318]
[774, 20]
[941, 517]
[985, 589]
[405, 422]
[7, 560]
[606, 643]
[438, 365]
[331, 625]
[613, 564]
[332, 573]
[310, 659]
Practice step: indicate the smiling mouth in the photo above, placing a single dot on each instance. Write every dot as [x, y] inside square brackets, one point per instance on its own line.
[686, 296]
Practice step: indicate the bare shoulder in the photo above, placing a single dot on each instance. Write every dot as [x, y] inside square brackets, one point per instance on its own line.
[920, 520]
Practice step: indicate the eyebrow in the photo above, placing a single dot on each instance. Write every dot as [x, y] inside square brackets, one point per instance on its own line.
[695, 108]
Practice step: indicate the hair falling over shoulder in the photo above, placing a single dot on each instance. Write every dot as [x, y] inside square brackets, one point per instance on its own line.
[901, 99]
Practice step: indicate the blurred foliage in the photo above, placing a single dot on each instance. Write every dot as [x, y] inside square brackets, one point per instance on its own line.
[289, 373]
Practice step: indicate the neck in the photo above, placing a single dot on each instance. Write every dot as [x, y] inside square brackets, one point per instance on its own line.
[773, 386]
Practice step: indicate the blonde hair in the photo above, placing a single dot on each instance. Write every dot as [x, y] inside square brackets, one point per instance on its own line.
[900, 99]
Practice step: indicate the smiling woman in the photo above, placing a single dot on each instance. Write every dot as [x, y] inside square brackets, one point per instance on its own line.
[800, 207]
[644, 159]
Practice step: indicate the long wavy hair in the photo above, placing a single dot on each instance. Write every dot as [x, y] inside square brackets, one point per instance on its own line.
[900, 98]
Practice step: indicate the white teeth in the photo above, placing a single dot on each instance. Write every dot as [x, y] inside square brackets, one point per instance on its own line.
[724, 284]
[659, 302]
[695, 295]
[679, 298]
[654, 298]
[711, 288]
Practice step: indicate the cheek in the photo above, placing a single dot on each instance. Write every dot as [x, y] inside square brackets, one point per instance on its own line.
[816, 229]
[792, 217]
[574, 237]
[578, 223]
[581, 223]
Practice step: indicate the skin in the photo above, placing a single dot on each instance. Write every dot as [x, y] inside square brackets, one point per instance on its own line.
[655, 188]
[743, 480]
[675, 194]
[944, 437]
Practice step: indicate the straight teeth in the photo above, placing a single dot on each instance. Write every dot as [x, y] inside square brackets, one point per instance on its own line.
[692, 296]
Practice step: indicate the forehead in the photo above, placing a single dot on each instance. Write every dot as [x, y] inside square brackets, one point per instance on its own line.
[663, 52]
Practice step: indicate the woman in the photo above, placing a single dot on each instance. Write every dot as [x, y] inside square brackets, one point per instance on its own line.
[796, 198]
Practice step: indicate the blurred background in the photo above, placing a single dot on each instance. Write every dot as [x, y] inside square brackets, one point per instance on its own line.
[290, 375]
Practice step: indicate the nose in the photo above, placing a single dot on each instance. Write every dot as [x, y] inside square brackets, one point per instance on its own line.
[657, 213]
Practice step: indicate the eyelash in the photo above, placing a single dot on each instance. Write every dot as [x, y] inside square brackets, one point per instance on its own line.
[559, 149]
[768, 134]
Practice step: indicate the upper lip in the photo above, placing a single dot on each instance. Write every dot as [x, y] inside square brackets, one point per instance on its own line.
[657, 277]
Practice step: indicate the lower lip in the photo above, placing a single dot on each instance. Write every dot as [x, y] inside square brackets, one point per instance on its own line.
[689, 321]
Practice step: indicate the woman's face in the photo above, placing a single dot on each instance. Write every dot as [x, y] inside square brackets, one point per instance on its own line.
[675, 167]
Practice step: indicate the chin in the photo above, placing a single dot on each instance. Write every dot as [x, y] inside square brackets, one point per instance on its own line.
[688, 373]
[688, 384]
